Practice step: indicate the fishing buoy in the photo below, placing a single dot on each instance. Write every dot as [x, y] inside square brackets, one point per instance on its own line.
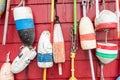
[86, 31]
[6, 73]
[44, 57]
[58, 47]
[106, 20]
[24, 24]
[106, 52]
[45, 51]
[23, 59]
[87, 36]
[2, 6]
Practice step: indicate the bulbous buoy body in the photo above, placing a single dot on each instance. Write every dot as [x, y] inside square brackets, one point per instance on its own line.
[106, 20]
[2, 6]
[106, 52]
[24, 24]
[87, 34]
[23, 59]
[6, 73]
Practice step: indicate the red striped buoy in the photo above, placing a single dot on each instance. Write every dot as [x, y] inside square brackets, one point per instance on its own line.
[106, 52]
[106, 20]
[87, 34]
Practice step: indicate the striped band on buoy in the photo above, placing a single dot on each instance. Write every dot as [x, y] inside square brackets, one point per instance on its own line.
[23, 18]
[87, 34]
[47, 57]
[106, 52]
[2, 6]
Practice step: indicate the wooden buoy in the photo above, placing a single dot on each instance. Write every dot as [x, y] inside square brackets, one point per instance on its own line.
[58, 47]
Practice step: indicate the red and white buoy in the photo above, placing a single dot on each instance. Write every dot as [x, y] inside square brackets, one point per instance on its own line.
[87, 36]
[58, 47]
[106, 52]
[106, 19]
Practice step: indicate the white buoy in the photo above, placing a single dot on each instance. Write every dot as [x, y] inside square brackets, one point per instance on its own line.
[45, 51]
[45, 57]
[105, 19]
[5, 73]
[23, 59]
[87, 34]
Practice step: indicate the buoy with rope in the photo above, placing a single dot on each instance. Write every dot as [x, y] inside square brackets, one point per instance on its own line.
[44, 57]
[25, 26]
[58, 43]
[106, 52]
[87, 36]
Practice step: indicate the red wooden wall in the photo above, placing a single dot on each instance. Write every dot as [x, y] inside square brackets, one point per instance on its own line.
[41, 12]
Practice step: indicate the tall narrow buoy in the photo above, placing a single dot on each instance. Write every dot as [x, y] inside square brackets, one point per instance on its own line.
[87, 36]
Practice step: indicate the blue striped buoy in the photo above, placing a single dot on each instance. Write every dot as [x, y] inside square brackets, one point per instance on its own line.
[2, 6]
[24, 24]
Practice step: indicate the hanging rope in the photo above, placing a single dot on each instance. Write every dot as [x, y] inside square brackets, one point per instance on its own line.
[56, 15]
